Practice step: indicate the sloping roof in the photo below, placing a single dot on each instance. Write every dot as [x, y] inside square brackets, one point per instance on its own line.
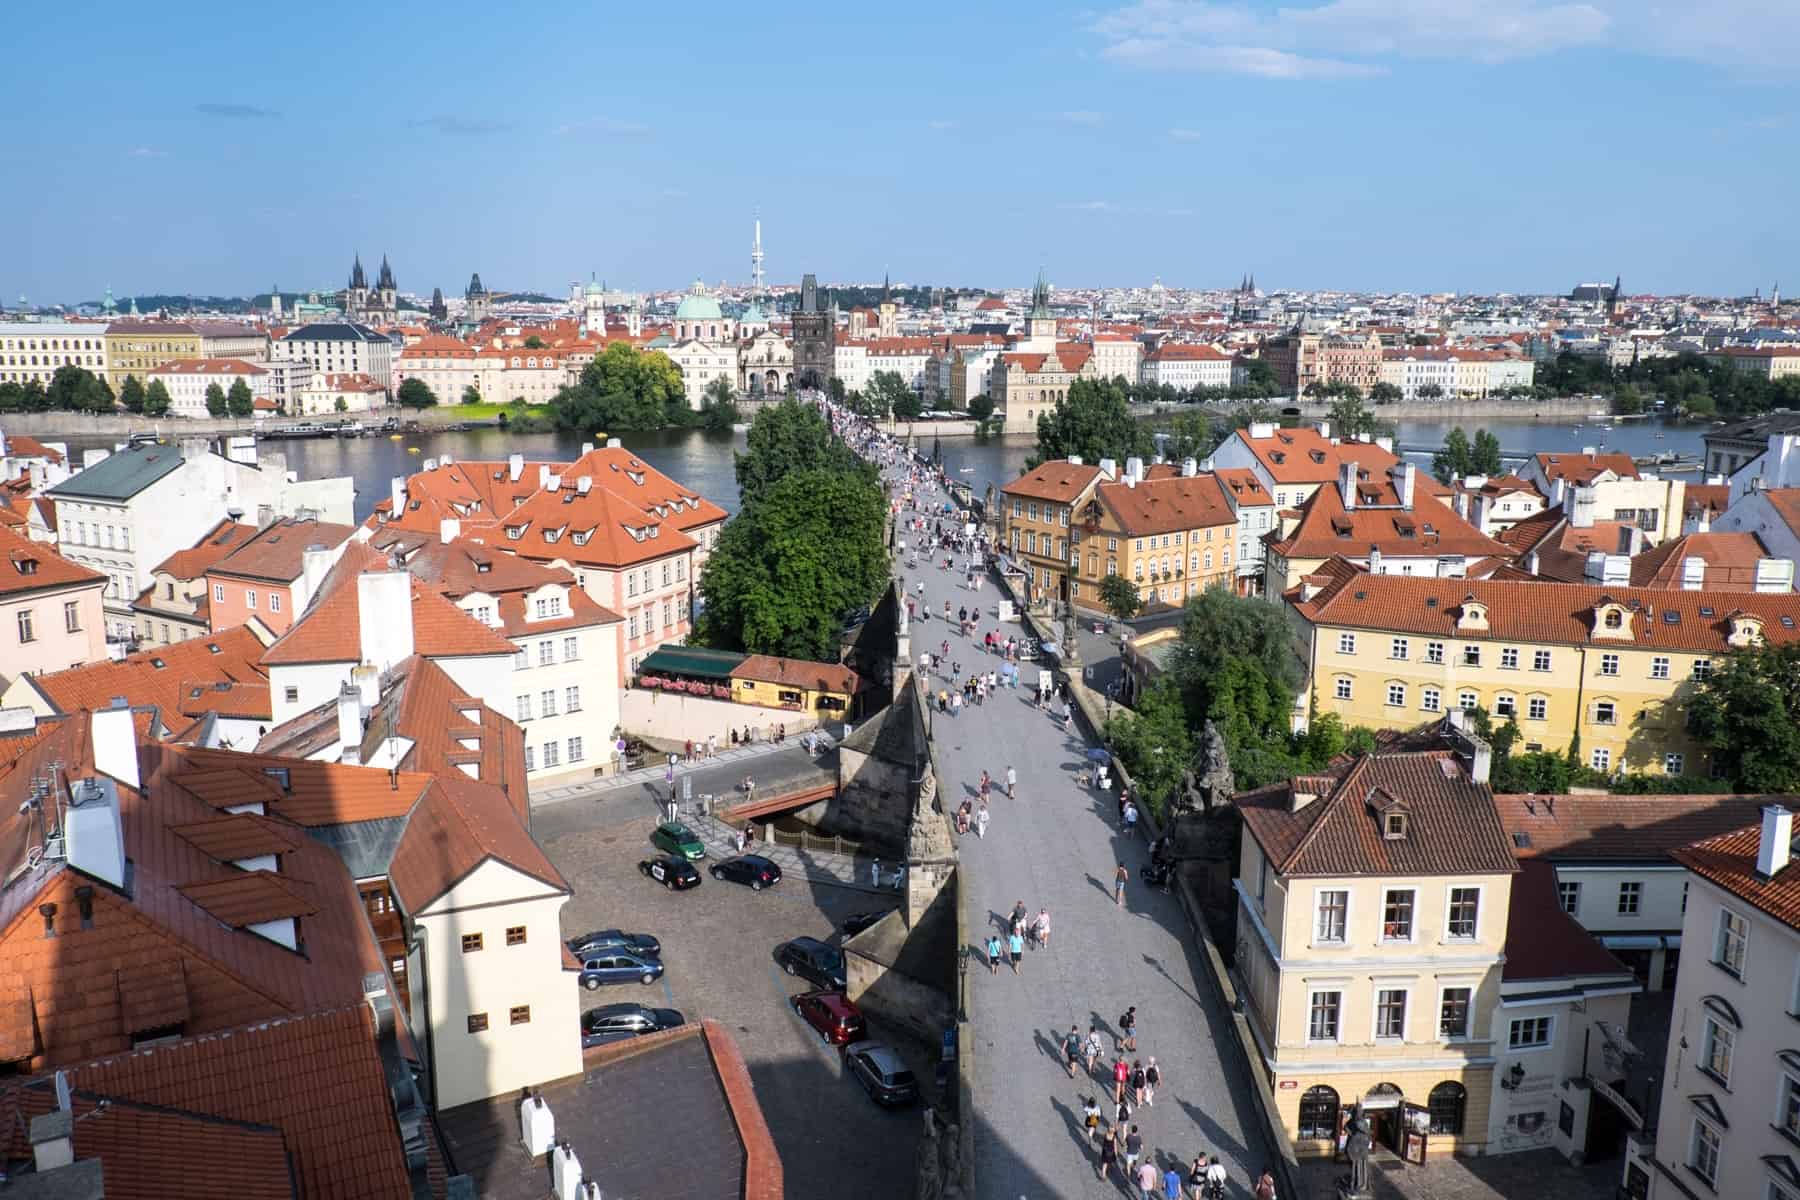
[1243, 487]
[1058, 481]
[1452, 828]
[1302, 456]
[331, 629]
[236, 836]
[215, 367]
[1729, 861]
[1583, 468]
[213, 545]
[1166, 505]
[1429, 528]
[1581, 828]
[454, 829]
[334, 331]
[161, 677]
[694, 660]
[1561, 546]
[275, 553]
[27, 566]
[468, 564]
[795, 672]
[121, 474]
[250, 897]
[1730, 560]
[306, 793]
[1543, 941]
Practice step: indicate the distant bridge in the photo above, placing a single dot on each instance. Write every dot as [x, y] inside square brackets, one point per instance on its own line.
[1416, 448]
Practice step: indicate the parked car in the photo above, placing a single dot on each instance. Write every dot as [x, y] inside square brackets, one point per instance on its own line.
[676, 874]
[813, 961]
[589, 944]
[831, 1015]
[752, 869]
[616, 1022]
[679, 840]
[855, 923]
[619, 966]
[883, 1075]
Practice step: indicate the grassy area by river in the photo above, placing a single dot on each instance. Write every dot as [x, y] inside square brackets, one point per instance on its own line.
[450, 414]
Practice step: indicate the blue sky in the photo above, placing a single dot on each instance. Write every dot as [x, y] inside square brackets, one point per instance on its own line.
[1468, 145]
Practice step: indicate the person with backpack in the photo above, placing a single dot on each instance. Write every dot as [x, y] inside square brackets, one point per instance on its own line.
[1137, 1082]
[993, 953]
[1091, 1049]
[1152, 1081]
[1128, 1030]
[1265, 1186]
[1072, 1049]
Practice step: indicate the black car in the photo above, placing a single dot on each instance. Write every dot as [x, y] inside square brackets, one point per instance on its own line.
[676, 874]
[812, 960]
[590, 944]
[878, 1068]
[855, 923]
[752, 869]
[616, 1022]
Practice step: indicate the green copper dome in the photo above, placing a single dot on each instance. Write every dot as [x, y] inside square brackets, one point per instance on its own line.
[698, 306]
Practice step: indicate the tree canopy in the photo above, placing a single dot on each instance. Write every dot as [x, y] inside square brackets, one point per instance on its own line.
[238, 401]
[156, 399]
[1351, 417]
[624, 388]
[1747, 712]
[1092, 422]
[1154, 743]
[416, 393]
[1459, 458]
[786, 437]
[981, 407]
[76, 389]
[215, 400]
[1120, 596]
[131, 394]
[718, 406]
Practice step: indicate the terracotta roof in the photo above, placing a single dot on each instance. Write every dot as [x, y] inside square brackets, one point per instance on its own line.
[246, 701]
[1561, 547]
[1302, 456]
[1552, 613]
[215, 544]
[1706, 497]
[455, 828]
[1730, 560]
[1452, 828]
[1543, 941]
[276, 551]
[250, 898]
[330, 630]
[27, 567]
[314, 794]
[1167, 504]
[1729, 860]
[1186, 352]
[795, 672]
[468, 565]
[1243, 487]
[161, 677]
[613, 532]
[1429, 528]
[1582, 828]
[19, 445]
[1582, 468]
[1058, 481]
[237, 836]
[209, 367]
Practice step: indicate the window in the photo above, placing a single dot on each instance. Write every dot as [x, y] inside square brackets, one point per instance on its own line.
[1322, 1016]
[72, 619]
[1319, 1113]
[571, 649]
[1702, 668]
[1446, 1104]
[478, 1022]
[575, 751]
[1346, 643]
[1509, 658]
[530, 758]
[1703, 1152]
[1505, 705]
[1659, 667]
[572, 699]
[250, 599]
[1396, 695]
[1537, 708]
[289, 694]
[27, 628]
[1631, 896]
[1465, 912]
[1341, 688]
[1600, 759]
[1787, 1115]
[1568, 894]
[1390, 1013]
[552, 754]
[1471, 655]
[1434, 652]
[633, 631]
[522, 708]
[471, 942]
[515, 935]
[1528, 1033]
[546, 652]
[1540, 660]
[1715, 1052]
[1609, 664]
[1732, 941]
[1398, 648]
[1606, 712]
[1453, 1013]
[1467, 701]
[1334, 906]
[1673, 763]
[547, 702]
[1430, 699]
[1397, 915]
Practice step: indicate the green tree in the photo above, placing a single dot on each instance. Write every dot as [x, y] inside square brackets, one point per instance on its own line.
[718, 406]
[888, 394]
[1093, 422]
[981, 407]
[908, 405]
[156, 399]
[793, 562]
[1237, 664]
[1120, 596]
[786, 437]
[416, 393]
[624, 388]
[34, 397]
[76, 389]
[216, 404]
[534, 342]
[341, 404]
[131, 394]
[1154, 743]
[1431, 391]
[1350, 417]
[1385, 393]
[835, 388]
[1456, 459]
[1484, 455]
[1747, 712]
[238, 401]
[1259, 380]
[12, 397]
[471, 395]
[1191, 434]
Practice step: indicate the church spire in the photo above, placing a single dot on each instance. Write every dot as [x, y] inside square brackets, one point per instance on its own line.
[1040, 298]
[357, 279]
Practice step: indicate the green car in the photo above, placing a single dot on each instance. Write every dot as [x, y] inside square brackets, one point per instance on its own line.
[678, 840]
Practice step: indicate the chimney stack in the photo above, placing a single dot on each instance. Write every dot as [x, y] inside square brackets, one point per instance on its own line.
[1409, 475]
[565, 1173]
[1189, 468]
[1347, 483]
[384, 617]
[1580, 507]
[1693, 573]
[515, 467]
[449, 529]
[114, 739]
[1776, 842]
[537, 1125]
[350, 727]
[397, 496]
[53, 1140]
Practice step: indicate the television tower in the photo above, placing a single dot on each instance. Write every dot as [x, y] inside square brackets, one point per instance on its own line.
[756, 263]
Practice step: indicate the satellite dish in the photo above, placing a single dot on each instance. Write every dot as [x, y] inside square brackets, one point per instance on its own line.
[62, 1091]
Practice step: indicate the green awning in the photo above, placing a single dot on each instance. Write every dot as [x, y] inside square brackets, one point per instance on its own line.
[691, 661]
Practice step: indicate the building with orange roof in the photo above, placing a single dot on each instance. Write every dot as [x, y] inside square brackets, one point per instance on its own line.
[51, 615]
[270, 575]
[1186, 366]
[1037, 512]
[187, 380]
[328, 392]
[177, 604]
[1256, 515]
[1496, 503]
[1713, 562]
[1300, 360]
[1173, 536]
[1294, 463]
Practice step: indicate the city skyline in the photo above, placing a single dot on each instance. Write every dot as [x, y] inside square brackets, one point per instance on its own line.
[1373, 145]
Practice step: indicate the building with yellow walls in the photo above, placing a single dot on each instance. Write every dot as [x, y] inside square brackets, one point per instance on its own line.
[1611, 665]
[1036, 513]
[793, 683]
[1172, 533]
[139, 347]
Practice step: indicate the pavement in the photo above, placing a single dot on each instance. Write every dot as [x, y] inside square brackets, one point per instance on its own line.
[1056, 846]
[1494, 1177]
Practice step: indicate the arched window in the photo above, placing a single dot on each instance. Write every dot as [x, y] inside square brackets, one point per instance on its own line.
[1319, 1113]
[1446, 1104]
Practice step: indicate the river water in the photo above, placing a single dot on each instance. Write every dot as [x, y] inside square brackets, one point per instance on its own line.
[703, 461]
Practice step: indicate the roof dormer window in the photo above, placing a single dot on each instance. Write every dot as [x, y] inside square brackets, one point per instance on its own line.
[1393, 825]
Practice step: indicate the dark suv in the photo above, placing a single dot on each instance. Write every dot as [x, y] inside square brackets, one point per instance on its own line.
[616, 1022]
[813, 961]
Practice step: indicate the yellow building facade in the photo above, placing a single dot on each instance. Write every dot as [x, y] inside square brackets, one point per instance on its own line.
[1612, 667]
[1172, 536]
[1037, 512]
[139, 347]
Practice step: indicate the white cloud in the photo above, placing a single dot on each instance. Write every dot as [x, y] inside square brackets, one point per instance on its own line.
[603, 125]
[147, 152]
[1090, 206]
[1187, 135]
[943, 124]
[1082, 116]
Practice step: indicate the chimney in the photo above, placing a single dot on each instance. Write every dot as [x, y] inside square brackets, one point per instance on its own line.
[1189, 468]
[565, 1173]
[1261, 429]
[1134, 468]
[1773, 846]
[1559, 490]
[614, 444]
[537, 1125]
[53, 1140]
[1693, 573]
[384, 617]
[1617, 570]
[449, 529]
[431, 464]
[1407, 481]
[1325, 430]
[1386, 443]
[1347, 483]
[543, 476]
[1374, 559]
[1109, 468]
[367, 681]
[1580, 508]
[265, 515]
[515, 466]
[114, 739]
[1074, 460]
[554, 482]
[1594, 569]
[350, 727]
[397, 495]
[584, 484]
[1775, 575]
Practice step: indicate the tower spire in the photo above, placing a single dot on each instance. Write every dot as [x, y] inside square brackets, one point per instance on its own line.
[756, 263]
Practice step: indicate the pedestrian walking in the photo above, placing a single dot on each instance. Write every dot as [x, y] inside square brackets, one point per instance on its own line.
[1152, 1081]
[1109, 1152]
[1040, 929]
[1072, 1049]
[1134, 1148]
[981, 820]
[993, 953]
[1121, 1074]
[1012, 782]
[1090, 1117]
[1119, 878]
[1265, 1186]
[1015, 921]
[1130, 820]
[1197, 1177]
[1016, 944]
[1172, 1181]
[1215, 1176]
[1147, 1179]
[875, 873]
[1137, 1080]
[1128, 1030]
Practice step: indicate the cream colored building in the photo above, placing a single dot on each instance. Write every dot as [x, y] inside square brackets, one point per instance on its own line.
[186, 380]
[328, 393]
[700, 363]
[34, 350]
[1117, 356]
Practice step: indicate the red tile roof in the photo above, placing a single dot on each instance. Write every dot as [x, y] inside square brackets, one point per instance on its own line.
[162, 677]
[1164, 505]
[1058, 481]
[28, 567]
[797, 673]
[215, 544]
[1729, 861]
[210, 367]
[1582, 468]
[1430, 528]
[250, 898]
[275, 553]
[237, 836]
[1582, 828]
[1543, 941]
[1730, 560]
[454, 829]
[316, 793]
[1243, 487]
[1561, 547]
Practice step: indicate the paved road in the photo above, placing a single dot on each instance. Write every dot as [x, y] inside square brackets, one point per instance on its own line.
[1057, 846]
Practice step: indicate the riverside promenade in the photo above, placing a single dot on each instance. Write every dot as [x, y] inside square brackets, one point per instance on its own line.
[1057, 846]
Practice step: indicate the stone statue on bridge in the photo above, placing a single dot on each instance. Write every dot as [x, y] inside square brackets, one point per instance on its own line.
[1209, 780]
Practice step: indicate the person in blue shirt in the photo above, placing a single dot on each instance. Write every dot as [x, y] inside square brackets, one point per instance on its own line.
[1016, 945]
[1172, 1183]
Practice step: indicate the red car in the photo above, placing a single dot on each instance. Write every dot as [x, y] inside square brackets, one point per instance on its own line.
[837, 1021]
